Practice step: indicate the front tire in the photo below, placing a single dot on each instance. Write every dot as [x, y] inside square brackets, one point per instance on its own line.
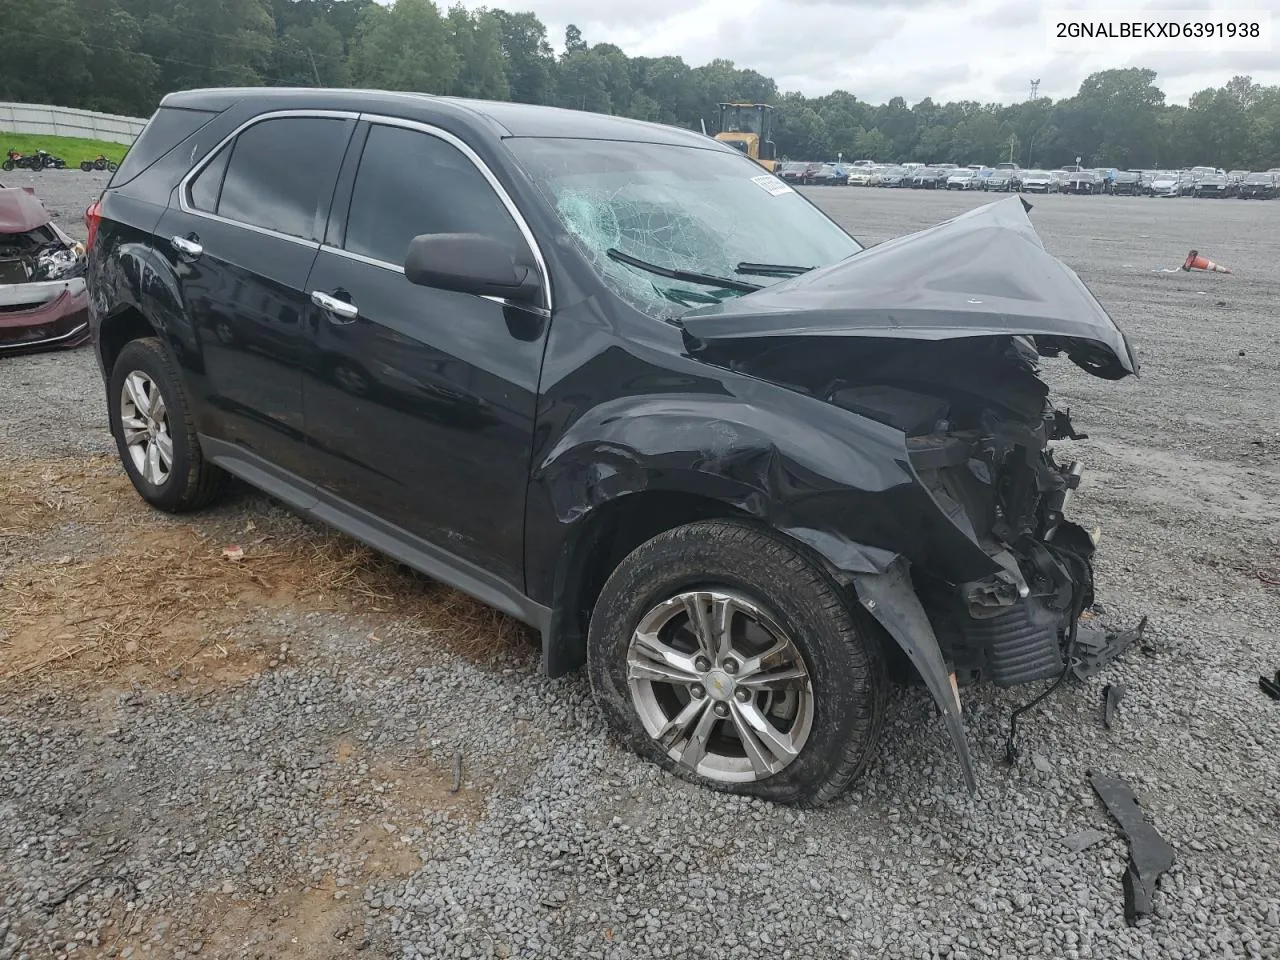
[721, 652]
[150, 418]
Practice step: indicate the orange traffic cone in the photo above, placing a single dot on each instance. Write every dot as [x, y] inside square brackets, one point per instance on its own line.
[1197, 262]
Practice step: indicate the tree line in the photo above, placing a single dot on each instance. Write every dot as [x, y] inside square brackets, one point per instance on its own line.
[122, 56]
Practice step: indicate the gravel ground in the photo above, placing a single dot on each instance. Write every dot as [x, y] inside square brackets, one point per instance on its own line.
[303, 807]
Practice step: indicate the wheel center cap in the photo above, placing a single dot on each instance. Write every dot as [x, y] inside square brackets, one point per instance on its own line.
[720, 685]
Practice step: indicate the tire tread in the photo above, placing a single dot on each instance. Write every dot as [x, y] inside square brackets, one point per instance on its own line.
[798, 571]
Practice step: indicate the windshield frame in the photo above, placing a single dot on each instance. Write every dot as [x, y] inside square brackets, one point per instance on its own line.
[527, 163]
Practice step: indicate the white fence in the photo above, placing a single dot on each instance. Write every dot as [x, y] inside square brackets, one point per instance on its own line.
[37, 118]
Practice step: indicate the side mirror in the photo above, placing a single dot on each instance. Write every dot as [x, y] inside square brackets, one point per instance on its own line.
[470, 263]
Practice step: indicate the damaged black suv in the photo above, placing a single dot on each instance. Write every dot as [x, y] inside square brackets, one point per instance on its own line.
[616, 380]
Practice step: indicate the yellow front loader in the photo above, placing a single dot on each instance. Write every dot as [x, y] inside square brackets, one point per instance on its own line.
[749, 127]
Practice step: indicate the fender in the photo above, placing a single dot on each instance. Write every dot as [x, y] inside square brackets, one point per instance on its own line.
[890, 598]
[836, 481]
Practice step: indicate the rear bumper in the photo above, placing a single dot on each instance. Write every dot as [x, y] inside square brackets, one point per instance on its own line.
[61, 320]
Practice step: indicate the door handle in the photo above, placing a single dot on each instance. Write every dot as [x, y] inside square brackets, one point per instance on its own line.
[339, 311]
[188, 247]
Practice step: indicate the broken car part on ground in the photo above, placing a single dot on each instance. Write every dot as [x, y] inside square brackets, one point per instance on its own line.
[42, 294]
[1149, 853]
[680, 421]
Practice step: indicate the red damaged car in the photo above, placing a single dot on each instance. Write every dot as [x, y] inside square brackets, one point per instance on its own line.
[43, 303]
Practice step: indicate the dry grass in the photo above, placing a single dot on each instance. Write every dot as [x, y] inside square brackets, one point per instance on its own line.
[153, 594]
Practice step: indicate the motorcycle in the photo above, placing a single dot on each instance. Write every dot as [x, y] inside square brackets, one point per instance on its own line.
[46, 160]
[98, 163]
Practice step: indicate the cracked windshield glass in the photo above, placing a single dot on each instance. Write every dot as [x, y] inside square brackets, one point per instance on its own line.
[673, 228]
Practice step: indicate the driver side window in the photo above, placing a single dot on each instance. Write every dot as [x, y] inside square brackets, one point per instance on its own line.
[411, 183]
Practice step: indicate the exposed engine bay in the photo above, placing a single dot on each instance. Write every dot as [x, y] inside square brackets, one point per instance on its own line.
[38, 255]
[42, 289]
[979, 426]
[980, 444]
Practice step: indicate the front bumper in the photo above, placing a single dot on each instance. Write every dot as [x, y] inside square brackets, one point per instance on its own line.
[44, 315]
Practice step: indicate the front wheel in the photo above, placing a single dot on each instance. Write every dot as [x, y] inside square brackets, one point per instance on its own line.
[721, 652]
[156, 438]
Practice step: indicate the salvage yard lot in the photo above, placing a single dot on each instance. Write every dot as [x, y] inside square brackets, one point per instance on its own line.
[256, 758]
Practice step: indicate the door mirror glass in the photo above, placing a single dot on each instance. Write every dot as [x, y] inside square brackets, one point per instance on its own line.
[470, 263]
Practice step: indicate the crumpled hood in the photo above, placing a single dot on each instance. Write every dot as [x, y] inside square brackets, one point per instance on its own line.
[983, 273]
[21, 210]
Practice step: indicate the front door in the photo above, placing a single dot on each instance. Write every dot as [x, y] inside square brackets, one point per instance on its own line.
[419, 402]
[243, 235]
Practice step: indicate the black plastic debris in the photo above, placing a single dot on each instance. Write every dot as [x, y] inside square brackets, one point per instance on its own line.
[1149, 853]
[1096, 647]
[1112, 694]
[1271, 687]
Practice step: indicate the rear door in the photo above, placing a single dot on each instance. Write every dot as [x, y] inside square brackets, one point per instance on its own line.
[243, 234]
[420, 402]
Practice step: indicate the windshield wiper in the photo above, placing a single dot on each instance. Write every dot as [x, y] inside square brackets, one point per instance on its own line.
[687, 276]
[771, 269]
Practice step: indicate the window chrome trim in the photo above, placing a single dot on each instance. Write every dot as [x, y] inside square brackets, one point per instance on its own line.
[494, 184]
[361, 258]
[396, 268]
[184, 186]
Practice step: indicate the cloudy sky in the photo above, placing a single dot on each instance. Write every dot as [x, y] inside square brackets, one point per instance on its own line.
[985, 50]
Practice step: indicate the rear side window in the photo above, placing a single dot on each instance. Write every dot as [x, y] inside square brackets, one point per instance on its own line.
[410, 183]
[280, 174]
[206, 187]
[169, 126]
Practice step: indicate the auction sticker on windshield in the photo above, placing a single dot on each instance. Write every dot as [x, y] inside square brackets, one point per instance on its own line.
[772, 185]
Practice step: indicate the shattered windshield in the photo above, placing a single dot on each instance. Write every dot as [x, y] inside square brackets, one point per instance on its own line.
[681, 209]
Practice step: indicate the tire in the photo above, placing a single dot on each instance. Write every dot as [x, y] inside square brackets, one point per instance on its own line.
[86, 165]
[191, 482]
[837, 643]
[7, 165]
[112, 166]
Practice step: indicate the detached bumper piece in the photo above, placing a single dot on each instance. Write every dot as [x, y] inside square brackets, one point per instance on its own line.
[1096, 648]
[1149, 853]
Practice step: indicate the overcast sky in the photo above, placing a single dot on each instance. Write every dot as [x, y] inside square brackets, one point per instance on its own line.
[985, 50]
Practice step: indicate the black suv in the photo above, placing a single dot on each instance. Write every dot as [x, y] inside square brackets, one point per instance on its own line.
[615, 380]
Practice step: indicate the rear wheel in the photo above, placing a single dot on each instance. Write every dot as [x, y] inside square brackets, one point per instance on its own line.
[155, 435]
[7, 165]
[86, 165]
[722, 653]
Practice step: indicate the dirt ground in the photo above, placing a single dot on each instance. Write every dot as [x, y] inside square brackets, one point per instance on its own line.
[255, 752]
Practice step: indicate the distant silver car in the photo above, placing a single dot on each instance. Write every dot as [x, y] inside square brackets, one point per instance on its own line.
[1035, 181]
[1164, 185]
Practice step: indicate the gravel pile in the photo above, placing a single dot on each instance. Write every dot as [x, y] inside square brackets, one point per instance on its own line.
[308, 810]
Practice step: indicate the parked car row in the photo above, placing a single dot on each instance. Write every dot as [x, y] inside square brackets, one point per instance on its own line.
[1206, 182]
[1006, 178]
[816, 174]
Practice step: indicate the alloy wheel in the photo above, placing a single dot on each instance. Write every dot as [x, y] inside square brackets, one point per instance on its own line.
[144, 418]
[720, 686]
